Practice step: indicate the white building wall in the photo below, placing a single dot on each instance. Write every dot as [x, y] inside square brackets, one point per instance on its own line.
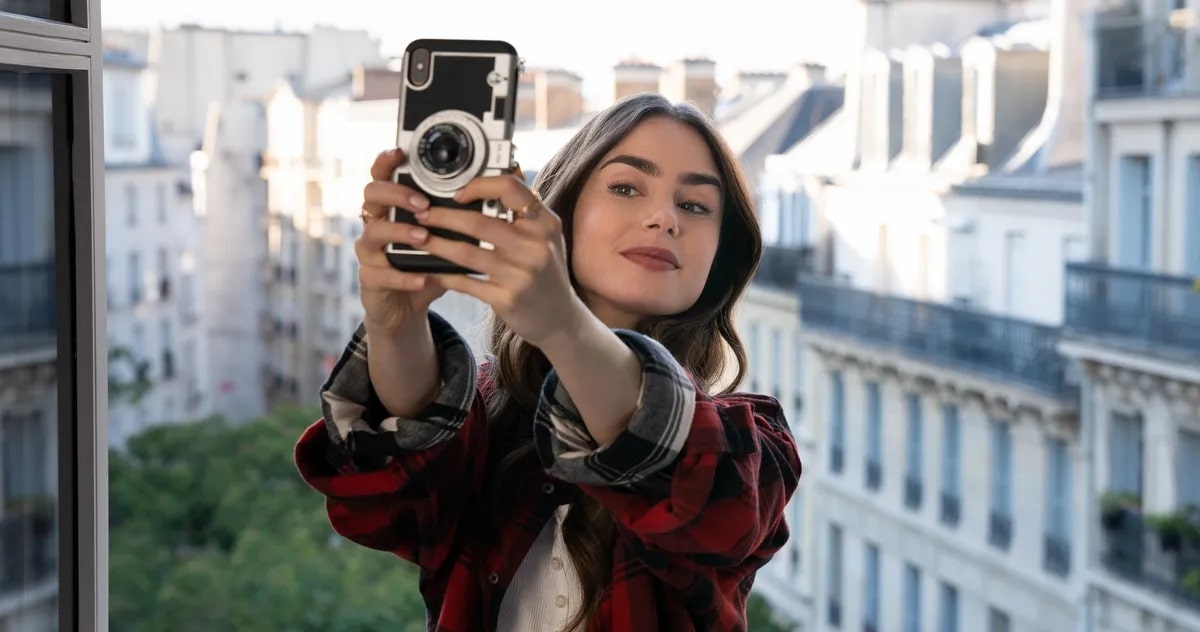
[1012, 581]
[767, 320]
[154, 277]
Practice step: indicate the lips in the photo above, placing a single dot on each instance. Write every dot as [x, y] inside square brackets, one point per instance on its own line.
[653, 258]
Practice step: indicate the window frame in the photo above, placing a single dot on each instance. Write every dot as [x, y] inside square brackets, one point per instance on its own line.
[71, 52]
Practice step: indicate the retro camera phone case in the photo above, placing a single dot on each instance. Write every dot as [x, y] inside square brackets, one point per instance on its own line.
[457, 107]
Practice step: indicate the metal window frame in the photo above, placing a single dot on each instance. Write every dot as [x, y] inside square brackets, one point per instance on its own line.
[71, 52]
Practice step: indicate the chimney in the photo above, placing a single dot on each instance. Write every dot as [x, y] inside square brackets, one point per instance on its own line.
[558, 98]
[1065, 98]
[374, 84]
[632, 77]
[692, 80]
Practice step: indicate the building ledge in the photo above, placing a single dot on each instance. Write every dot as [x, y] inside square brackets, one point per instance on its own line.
[1110, 352]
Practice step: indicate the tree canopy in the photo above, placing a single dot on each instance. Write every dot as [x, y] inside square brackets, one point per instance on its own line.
[212, 529]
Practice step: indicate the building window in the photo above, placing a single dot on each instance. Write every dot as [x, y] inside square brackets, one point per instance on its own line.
[1191, 232]
[1000, 524]
[874, 473]
[796, 525]
[777, 351]
[951, 509]
[756, 357]
[1057, 554]
[160, 196]
[837, 422]
[168, 353]
[835, 576]
[1188, 470]
[48, 445]
[131, 204]
[1135, 211]
[871, 598]
[948, 615]
[913, 481]
[798, 379]
[1125, 455]
[998, 621]
[135, 279]
[912, 598]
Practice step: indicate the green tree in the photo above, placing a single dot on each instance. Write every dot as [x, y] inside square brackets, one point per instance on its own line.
[212, 529]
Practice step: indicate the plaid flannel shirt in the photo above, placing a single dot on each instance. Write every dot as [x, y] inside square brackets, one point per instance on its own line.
[697, 485]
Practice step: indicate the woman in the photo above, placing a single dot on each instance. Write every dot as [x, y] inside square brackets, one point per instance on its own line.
[583, 479]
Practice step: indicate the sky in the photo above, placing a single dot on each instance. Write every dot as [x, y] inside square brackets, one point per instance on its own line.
[585, 37]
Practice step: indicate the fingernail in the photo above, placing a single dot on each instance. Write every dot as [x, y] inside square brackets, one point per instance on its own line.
[458, 197]
[419, 201]
[418, 282]
[421, 215]
[418, 234]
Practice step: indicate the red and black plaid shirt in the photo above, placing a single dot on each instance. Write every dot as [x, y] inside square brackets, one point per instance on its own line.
[697, 486]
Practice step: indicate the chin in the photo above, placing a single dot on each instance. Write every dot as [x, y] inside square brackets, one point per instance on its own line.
[646, 299]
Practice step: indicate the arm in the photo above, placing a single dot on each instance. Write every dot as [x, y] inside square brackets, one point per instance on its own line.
[398, 484]
[698, 482]
[407, 361]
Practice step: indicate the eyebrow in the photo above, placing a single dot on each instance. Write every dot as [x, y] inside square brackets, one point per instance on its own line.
[649, 168]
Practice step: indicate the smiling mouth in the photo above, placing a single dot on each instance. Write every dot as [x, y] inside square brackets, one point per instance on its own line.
[650, 262]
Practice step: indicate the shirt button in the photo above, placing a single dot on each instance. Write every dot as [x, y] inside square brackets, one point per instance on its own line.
[556, 563]
[548, 488]
[494, 578]
[560, 601]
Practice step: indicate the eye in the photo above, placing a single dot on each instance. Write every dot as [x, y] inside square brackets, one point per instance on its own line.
[695, 208]
[622, 189]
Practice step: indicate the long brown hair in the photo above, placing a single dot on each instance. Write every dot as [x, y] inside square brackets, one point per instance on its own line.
[697, 337]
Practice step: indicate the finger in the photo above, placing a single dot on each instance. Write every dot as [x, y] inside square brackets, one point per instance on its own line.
[376, 278]
[377, 235]
[380, 195]
[505, 236]
[386, 162]
[495, 296]
[509, 189]
[469, 256]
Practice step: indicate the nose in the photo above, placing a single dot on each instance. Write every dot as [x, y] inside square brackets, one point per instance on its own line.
[664, 218]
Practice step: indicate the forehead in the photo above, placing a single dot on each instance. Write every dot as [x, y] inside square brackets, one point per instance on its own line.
[672, 145]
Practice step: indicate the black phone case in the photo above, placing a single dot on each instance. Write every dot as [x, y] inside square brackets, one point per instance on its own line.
[457, 83]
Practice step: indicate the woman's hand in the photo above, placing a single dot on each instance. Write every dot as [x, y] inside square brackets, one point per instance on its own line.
[528, 284]
[392, 299]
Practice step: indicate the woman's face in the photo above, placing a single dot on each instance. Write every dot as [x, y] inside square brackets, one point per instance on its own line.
[647, 223]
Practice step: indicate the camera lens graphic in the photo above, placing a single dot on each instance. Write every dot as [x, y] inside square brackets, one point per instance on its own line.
[445, 150]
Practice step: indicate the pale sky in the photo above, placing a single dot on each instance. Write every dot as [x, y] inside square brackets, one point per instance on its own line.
[737, 34]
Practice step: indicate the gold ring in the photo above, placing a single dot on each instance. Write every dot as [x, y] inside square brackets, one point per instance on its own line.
[365, 216]
[529, 211]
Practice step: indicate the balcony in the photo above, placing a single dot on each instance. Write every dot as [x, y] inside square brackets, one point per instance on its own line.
[28, 545]
[1136, 550]
[782, 266]
[1142, 57]
[1008, 349]
[1150, 312]
[27, 306]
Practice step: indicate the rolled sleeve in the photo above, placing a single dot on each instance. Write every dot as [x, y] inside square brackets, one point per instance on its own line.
[362, 433]
[641, 456]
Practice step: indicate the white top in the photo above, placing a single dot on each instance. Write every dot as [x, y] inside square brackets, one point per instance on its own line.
[545, 591]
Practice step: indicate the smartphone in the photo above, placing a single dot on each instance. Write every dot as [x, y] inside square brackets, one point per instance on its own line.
[458, 101]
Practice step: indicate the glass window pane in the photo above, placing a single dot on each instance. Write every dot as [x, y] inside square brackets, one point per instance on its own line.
[45, 9]
[28, 389]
